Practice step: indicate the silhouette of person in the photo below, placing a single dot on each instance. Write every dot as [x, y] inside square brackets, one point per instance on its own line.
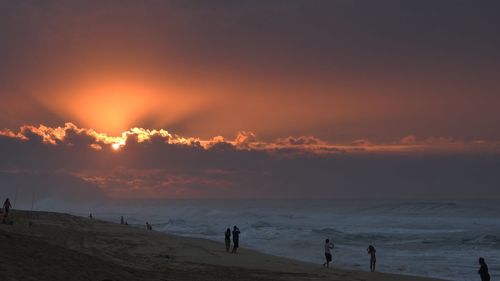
[148, 226]
[6, 207]
[483, 270]
[328, 254]
[90, 216]
[373, 259]
[227, 239]
[122, 221]
[236, 238]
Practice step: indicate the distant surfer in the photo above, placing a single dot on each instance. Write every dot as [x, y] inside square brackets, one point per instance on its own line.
[483, 270]
[236, 238]
[227, 239]
[328, 254]
[373, 259]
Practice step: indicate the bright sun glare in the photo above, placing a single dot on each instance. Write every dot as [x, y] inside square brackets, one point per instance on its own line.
[116, 146]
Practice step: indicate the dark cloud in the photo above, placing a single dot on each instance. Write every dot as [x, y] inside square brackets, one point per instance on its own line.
[60, 160]
[303, 140]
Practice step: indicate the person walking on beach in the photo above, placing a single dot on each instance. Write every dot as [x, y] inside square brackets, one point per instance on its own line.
[227, 239]
[122, 221]
[6, 207]
[328, 254]
[483, 270]
[373, 259]
[236, 238]
[6, 210]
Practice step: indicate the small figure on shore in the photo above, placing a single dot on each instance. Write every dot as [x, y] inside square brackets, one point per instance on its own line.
[126, 222]
[122, 221]
[236, 238]
[328, 254]
[483, 270]
[6, 208]
[91, 217]
[373, 259]
[149, 226]
[227, 239]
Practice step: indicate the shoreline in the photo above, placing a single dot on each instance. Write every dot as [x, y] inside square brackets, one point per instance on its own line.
[100, 250]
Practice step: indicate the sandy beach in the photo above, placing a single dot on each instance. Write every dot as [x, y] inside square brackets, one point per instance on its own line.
[64, 247]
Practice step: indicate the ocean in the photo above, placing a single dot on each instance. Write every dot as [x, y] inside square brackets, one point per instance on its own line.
[433, 239]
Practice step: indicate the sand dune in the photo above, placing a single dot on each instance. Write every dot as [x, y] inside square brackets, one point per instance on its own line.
[64, 247]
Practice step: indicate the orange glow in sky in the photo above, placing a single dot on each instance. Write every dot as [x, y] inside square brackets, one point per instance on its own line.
[112, 108]
[116, 105]
[208, 70]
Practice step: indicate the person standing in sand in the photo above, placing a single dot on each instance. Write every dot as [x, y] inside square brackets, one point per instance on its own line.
[6, 208]
[227, 239]
[328, 254]
[236, 238]
[373, 259]
[483, 270]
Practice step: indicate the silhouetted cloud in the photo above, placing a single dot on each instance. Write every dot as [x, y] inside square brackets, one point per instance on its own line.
[156, 163]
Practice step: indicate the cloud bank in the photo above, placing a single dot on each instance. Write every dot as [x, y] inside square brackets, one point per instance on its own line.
[78, 164]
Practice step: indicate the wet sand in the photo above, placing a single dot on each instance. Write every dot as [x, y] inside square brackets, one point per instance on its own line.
[64, 247]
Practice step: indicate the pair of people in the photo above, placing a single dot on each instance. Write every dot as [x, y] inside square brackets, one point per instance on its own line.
[123, 221]
[328, 255]
[149, 226]
[236, 239]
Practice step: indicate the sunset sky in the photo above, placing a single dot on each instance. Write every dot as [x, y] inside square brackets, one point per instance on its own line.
[168, 99]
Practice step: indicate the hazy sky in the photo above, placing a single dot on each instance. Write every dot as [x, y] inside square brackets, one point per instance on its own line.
[260, 98]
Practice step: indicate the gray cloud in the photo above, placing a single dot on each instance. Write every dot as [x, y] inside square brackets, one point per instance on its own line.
[161, 167]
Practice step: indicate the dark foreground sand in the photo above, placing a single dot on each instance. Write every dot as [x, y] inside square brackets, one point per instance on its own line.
[64, 247]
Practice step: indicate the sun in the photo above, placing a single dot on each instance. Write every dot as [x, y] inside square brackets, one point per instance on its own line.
[116, 145]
